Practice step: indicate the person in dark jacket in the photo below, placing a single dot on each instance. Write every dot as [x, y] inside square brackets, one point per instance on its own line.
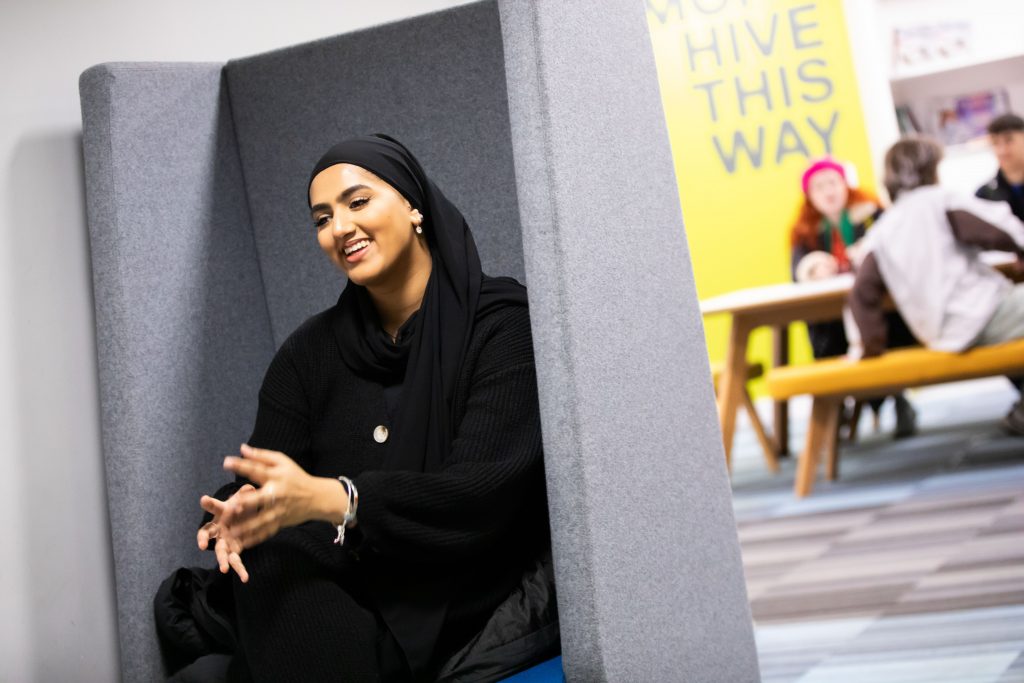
[392, 494]
[1006, 133]
[832, 221]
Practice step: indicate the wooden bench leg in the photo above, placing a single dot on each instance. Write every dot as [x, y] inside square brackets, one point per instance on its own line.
[767, 443]
[832, 459]
[851, 434]
[780, 357]
[822, 430]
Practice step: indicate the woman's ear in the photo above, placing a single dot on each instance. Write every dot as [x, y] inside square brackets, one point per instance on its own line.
[417, 221]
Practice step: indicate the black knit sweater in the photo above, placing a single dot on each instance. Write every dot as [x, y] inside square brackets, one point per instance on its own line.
[468, 530]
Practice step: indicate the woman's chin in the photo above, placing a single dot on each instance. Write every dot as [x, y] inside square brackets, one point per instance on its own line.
[360, 276]
[353, 277]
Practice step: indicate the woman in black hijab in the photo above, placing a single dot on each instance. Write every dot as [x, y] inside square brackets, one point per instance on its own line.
[393, 490]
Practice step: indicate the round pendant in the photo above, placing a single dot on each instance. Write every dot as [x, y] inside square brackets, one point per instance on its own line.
[380, 434]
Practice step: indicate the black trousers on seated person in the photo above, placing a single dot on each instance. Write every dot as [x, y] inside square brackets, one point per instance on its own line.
[300, 619]
[828, 339]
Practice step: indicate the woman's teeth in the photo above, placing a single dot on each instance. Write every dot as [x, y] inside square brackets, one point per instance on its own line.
[356, 247]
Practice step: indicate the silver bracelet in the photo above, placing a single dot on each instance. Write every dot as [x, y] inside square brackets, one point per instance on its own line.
[350, 514]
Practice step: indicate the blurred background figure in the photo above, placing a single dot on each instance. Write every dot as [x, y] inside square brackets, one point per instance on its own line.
[924, 252]
[832, 220]
[1006, 133]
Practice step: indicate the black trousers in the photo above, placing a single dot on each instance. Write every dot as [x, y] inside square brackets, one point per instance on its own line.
[828, 339]
[302, 617]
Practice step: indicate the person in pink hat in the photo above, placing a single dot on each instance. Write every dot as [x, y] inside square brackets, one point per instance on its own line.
[833, 217]
[824, 239]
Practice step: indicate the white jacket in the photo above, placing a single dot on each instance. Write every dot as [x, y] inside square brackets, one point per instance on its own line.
[944, 292]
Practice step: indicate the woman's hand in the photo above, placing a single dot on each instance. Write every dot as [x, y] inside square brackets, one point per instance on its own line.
[817, 265]
[825, 268]
[227, 546]
[287, 496]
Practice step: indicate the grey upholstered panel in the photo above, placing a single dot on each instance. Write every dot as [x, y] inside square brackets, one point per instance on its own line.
[646, 555]
[434, 81]
[182, 326]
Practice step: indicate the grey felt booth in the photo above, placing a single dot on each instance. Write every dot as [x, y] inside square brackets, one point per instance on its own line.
[542, 121]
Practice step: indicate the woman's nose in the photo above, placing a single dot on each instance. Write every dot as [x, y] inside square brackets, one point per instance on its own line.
[339, 227]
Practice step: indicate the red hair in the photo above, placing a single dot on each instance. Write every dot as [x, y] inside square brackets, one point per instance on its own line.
[805, 230]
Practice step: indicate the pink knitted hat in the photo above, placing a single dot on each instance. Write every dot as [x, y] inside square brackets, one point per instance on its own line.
[820, 165]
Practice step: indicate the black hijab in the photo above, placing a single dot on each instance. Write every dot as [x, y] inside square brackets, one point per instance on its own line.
[428, 356]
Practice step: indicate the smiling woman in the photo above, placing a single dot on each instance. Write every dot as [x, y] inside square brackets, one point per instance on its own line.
[401, 424]
[365, 231]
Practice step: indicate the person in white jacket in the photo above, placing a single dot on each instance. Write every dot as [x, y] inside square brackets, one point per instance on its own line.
[924, 252]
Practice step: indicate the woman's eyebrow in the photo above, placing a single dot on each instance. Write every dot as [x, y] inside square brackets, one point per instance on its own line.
[342, 198]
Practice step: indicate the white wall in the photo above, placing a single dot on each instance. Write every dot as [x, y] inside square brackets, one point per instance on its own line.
[965, 166]
[872, 78]
[995, 33]
[994, 58]
[57, 618]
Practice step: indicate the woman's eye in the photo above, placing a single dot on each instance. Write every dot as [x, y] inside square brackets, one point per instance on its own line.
[321, 222]
[358, 203]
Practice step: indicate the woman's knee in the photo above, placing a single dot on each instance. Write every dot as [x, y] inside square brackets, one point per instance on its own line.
[287, 557]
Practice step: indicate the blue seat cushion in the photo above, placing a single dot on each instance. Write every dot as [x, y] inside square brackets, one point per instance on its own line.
[545, 672]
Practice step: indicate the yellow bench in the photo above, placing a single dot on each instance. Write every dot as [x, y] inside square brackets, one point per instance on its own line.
[829, 381]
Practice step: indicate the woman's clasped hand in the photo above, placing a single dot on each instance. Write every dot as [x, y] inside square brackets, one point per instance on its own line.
[287, 496]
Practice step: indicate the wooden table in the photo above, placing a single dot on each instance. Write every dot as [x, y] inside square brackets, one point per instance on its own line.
[777, 306]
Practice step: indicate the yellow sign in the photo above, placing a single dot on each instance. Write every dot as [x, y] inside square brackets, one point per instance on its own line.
[751, 90]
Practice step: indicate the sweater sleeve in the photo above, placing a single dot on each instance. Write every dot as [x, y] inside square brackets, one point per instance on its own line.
[974, 231]
[866, 304]
[979, 222]
[493, 473]
[282, 417]
[283, 414]
[796, 254]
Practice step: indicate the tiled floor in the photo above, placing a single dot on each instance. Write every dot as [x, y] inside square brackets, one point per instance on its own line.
[910, 567]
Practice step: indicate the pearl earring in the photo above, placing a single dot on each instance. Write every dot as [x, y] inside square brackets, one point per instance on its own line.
[419, 229]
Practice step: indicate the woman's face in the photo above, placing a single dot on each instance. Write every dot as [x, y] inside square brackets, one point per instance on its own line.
[827, 192]
[365, 226]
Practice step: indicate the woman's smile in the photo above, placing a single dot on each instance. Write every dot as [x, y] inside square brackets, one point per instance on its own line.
[355, 250]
